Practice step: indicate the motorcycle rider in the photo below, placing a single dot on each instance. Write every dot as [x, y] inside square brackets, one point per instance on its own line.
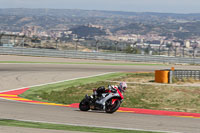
[111, 88]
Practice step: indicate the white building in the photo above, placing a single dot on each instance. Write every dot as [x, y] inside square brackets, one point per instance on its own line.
[187, 44]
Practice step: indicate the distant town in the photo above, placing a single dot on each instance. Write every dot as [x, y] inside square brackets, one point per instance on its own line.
[95, 31]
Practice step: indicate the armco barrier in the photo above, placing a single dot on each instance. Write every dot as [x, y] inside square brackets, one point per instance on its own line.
[166, 76]
[95, 55]
[180, 74]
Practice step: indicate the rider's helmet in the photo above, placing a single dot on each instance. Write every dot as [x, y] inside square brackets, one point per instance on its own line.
[122, 86]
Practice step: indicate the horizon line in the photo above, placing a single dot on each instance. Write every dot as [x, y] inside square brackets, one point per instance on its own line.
[101, 10]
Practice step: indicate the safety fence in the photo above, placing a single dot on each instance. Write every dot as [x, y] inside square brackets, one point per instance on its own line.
[168, 76]
[95, 55]
[181, 74]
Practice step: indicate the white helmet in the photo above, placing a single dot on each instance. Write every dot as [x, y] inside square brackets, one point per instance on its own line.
[123, 86]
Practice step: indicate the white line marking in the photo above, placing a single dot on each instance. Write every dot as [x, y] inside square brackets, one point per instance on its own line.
[61, 106]
[49, 84]
[82, 125]
[59, 81]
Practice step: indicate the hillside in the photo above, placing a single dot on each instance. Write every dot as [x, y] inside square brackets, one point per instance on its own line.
[182, 26]
[85, 31]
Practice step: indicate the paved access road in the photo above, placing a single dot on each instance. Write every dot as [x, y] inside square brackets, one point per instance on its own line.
[14, 76]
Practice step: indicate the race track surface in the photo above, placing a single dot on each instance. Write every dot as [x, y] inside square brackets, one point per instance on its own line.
[6, 129]
[14, 76]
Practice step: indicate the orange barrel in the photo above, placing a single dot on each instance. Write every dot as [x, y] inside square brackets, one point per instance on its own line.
[162, 76]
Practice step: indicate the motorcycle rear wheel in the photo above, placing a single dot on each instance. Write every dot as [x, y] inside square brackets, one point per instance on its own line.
[112, 108]
[84, 105]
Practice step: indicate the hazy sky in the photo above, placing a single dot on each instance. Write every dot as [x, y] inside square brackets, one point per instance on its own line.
[171, 6]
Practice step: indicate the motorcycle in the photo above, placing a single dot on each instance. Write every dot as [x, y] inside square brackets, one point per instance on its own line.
[108, 102]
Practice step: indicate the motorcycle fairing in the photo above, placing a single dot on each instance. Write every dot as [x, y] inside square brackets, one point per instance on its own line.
[109, 96]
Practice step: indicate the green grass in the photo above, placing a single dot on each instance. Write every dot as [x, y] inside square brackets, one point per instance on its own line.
[35, 93]
[73, 91]
[15, 123]
[86, 63]
[185, 80]
[170, 98]
[157, 97]
[74, 94]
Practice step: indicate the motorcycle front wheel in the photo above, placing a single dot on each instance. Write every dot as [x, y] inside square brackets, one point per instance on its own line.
[111, 108]
[84, 105]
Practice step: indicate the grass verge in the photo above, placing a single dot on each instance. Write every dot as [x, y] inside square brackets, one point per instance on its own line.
[185, 80]
[138, 95]
[86, 63]
[74, 94]
[15, 123]
[73, 88]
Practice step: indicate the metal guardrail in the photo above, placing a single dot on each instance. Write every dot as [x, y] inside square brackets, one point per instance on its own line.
[95, 55]
[180, 74]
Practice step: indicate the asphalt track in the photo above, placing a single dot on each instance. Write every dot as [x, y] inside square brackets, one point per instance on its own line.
[14, 76]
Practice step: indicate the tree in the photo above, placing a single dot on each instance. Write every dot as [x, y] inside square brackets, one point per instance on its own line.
[132, 50]
[169, 46]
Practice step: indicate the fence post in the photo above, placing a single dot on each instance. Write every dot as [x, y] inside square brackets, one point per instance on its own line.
[170, 76]
[199, 75]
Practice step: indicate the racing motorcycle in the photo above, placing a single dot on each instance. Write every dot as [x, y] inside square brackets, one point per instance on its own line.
[99, 100]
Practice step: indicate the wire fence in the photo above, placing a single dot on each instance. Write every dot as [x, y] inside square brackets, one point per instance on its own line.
[96, 55]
